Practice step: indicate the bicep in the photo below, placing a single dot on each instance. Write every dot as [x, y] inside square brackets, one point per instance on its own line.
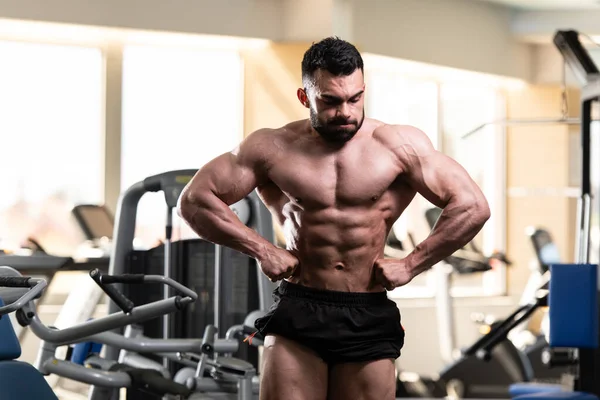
[434, 175]
[439, 179]
[227, 177]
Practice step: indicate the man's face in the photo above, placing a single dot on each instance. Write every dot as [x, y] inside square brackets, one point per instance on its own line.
[336, 104]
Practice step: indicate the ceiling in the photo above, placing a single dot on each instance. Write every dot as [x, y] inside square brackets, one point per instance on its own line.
[549, 4]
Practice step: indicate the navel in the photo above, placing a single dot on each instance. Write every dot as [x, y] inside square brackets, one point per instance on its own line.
[339, 267]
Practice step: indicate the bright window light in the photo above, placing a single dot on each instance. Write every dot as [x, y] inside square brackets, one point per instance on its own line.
[181, 108]
[51, 128]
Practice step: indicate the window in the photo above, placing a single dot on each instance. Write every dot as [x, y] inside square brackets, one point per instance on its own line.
[51, 128]
[481, 154]
[181, 108]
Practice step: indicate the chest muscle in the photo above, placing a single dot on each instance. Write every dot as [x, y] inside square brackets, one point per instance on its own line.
[347, 179]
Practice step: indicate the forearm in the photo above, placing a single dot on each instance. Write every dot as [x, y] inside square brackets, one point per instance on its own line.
[213, 220]
[460, 221]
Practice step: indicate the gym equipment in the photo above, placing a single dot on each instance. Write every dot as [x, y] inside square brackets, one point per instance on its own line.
[228, 375]
[573, 299]
[105, 383]
[574, 306]
[581, 63]
[204, 372]
[96, 221]
[535, 346]
[15, 373]
[187, 261]
[587, 376]
[488, 367]
[16, 291]
[97, 224]
[574, 310]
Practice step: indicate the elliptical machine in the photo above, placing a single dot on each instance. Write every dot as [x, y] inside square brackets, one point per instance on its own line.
[535, 345]
[488, 367]
[482, 370]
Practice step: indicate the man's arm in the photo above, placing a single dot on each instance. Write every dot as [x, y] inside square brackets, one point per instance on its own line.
[446, 184]
[204, 202]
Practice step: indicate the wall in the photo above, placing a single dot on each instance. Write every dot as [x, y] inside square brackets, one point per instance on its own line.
[548, 66]
[252, 18]
[540, 173]
[459, 33]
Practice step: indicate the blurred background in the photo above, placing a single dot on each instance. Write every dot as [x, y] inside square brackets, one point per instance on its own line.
[97, 95]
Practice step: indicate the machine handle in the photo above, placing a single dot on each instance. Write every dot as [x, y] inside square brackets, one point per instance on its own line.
[141, 278]
[500, 333]
[119, 298]
[15, 281]
[497, 334]
[84, 330]
[187, 292]
[124, 278]
[36, 287]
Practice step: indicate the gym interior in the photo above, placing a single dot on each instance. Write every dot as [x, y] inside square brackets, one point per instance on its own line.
[109, 108]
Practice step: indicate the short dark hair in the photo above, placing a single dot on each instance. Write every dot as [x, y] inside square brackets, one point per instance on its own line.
[332, 54]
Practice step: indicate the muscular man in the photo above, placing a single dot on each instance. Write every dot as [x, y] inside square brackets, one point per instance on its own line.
[336, 182]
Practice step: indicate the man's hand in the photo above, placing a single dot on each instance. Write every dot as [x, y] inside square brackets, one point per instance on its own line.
[278, 264]
[391, 273]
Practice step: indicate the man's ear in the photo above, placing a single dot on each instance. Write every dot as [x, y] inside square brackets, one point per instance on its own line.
[302, 97]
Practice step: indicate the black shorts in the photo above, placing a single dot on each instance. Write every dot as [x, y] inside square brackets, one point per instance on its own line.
[339, 326]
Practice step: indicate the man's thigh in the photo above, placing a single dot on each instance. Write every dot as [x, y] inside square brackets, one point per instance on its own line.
[373, 380]
[291, 371]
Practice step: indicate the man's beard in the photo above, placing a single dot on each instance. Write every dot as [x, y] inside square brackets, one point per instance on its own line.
[332, 130]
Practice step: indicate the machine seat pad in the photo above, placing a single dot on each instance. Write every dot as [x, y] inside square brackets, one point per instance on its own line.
[557, 396]
[522, 388]
[10, 349]
[19, 380]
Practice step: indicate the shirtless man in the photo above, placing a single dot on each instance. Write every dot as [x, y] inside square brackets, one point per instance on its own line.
[336, 182]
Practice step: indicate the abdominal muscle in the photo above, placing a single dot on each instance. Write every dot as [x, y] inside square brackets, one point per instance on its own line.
[337, 250]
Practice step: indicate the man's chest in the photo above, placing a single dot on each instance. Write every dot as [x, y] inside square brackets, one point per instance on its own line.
[350, 178]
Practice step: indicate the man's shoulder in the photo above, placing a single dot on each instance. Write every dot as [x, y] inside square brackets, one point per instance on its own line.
[287, 130]
[265, 143]
[396, 137]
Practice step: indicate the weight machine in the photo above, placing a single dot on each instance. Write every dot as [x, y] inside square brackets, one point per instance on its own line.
[586, 361]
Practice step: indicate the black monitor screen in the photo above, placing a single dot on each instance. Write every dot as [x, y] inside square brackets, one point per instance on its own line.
[96, 221]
